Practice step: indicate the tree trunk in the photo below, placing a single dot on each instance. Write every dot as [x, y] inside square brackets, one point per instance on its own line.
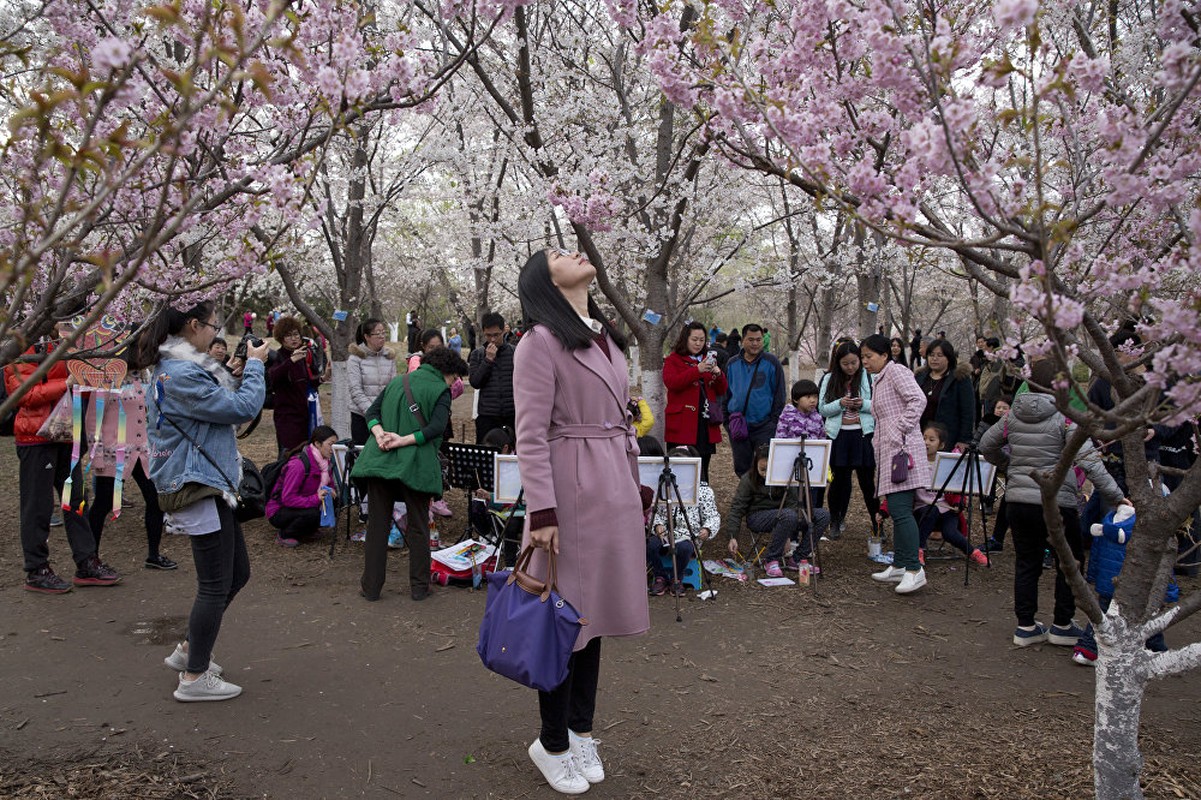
[650, 363]
[1121, 681]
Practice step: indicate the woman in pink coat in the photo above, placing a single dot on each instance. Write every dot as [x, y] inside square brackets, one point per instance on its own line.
[897, 405]
[578, 459]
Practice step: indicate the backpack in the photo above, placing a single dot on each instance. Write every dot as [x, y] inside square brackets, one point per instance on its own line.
[275, 469]
[252, 499]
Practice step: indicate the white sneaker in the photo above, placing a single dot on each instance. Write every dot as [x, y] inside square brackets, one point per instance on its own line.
[178, 661]
[911, 581]
[207, 687]
[889, 575]
[559, 771]
[587, 760]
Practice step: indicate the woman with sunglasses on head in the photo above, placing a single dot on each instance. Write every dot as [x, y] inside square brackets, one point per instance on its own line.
[578, 460]
[195, 466]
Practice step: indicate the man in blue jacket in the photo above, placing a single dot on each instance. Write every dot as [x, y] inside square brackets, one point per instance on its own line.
[756, 391]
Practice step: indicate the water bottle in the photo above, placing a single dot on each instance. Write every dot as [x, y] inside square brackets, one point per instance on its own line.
[803, 571]
[435, 538]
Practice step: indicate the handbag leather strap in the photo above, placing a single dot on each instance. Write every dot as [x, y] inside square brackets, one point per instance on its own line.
[528, 582]
[414, 409]
[746, 397]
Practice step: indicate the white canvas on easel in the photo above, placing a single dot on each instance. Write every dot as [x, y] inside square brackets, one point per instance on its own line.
[948, 465]
[783, 454]
[686, 470]
[507, 479]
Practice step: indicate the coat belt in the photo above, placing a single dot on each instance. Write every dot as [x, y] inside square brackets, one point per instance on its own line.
[587, 431]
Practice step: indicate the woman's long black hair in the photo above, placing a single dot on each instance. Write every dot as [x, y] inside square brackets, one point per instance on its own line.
[542, 303]
[839, 382]
[169, 322]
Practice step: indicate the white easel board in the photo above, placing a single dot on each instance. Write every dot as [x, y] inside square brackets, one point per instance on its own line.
[507, 479]
[783, 455]
[948, 466]
[686, 470]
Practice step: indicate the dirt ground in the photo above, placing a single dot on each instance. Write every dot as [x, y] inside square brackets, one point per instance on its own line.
[846, 691]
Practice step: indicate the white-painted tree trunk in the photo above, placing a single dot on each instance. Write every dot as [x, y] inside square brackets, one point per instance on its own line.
[794, 367]
[1121, 681]
[340, 401]
[656, 397]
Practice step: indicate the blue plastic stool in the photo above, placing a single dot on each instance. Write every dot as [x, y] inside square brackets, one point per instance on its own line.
[692, 573]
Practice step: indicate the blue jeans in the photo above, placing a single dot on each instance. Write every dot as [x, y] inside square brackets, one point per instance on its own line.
[685, 552]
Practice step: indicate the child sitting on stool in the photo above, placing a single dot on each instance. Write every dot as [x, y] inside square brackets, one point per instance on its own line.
[759, 505]
[702, 519]
[294, 507]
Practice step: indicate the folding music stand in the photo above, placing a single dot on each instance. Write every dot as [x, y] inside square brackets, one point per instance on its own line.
[345, 452]
[471, 468]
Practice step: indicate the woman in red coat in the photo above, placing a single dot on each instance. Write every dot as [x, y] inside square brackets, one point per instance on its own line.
[694, 382]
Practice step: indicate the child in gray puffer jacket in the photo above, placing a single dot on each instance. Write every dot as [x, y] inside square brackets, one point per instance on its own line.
[1036, 433]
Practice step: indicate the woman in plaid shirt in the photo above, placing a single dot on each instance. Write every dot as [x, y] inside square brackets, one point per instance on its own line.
[897, 405]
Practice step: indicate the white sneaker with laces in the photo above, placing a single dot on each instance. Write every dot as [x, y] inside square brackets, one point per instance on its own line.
[178, 661]
[889, 575]
[911, 581]
[560, 771]
[207, 687]
[587, 760]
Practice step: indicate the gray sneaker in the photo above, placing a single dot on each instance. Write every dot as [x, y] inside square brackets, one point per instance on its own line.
[178, 661]
[207, 687]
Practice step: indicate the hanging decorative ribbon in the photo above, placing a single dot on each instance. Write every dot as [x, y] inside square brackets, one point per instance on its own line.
[76, 443]
[119, 474]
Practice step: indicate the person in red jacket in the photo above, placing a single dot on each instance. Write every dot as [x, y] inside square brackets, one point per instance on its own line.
[694, 383]
[43, 469]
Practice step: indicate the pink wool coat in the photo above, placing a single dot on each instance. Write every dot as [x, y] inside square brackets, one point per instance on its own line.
[577, 455]
[897, 405]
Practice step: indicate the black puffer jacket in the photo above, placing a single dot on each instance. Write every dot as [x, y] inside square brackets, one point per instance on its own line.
[493, 380]
[956, 401]
[1036, 434]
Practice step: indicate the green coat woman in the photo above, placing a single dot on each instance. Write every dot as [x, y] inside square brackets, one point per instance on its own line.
[400, 462]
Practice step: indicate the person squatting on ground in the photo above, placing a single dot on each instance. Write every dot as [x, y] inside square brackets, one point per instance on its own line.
[942, 515]
[370, 367]
[400, 463]
[1036, 433]
[694, 384]
[760, 506]
[579, 466]
[846, 404]
[702, 519]
[900, 454]
[42, 471]
[195, 466]
[294, 507]
[137, 464]
[490, 372]
[756, 390]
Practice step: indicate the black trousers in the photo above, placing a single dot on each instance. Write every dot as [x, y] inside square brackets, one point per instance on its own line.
[744, 451]
[382, 496]
[573, 703]
[486, 422]
[102, 505]
[222, 569]
[840, 491]
[296, 523]
[1029, 543]
[42, 470]
[358, 429]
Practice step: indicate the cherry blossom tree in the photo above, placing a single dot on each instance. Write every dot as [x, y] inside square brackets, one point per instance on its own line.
[1051, 147]
[159, 151]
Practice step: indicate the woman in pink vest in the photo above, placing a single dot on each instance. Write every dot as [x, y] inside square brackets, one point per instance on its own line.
[578, 460]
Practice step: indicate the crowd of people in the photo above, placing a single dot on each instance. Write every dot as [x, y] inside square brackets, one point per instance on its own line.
[556, 392]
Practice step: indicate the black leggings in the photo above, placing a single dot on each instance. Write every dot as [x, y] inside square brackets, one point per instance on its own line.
[840, 491]
[573, 702]
[102, 504]
[222, 569]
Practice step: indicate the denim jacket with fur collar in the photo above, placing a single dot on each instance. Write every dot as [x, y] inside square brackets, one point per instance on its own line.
[206, 401]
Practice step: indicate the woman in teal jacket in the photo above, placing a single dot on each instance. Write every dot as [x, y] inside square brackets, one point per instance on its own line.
[845, 400]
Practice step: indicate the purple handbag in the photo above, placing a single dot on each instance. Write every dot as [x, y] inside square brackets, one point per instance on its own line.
[528, 630]
[902, 462]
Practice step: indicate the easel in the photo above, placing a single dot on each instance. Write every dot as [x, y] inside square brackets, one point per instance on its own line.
[667, 489]
[348, 494]
[798, 476]
[972, 485]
